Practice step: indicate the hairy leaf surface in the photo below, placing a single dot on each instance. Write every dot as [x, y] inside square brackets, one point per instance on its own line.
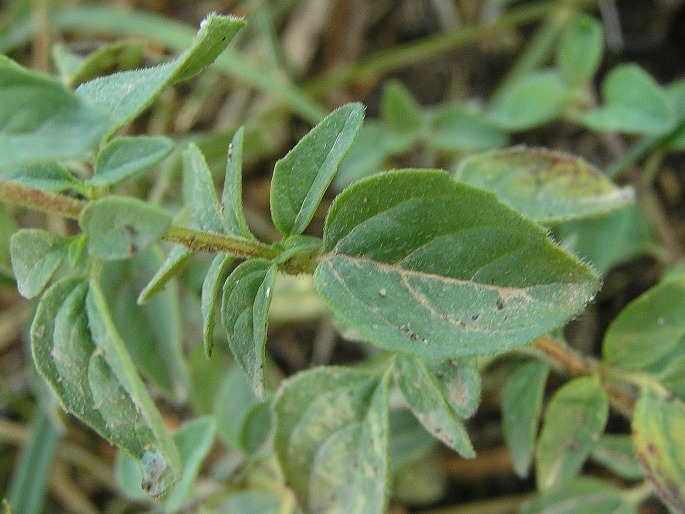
[548, 187]
[36, 255]
[574, 420]
[124, 157]
[303, 175]
[418, 263]
[332, 439]
[126, 94]
[245, 309]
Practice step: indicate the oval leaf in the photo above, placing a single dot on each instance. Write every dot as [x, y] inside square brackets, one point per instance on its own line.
[204, 204]
[574, 420]
[126, 94]
[210, 291]
[581, 496]
[421, 264]
[85, 363]
[617, 453]
[632, 102]
[118, 227]
[331, 439]
[36, 255]
[649, 328]
[232, 195]
[303, 175]
[245, 309]
[41, 120]
[521, 409]
[530, 101]
[580, 51]
[424, 398]
[124, 157]
[548, 187]
[459, 383]
[658, 428]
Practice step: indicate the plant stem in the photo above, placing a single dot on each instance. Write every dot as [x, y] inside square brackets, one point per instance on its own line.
[409, 53]
[197, 240]
[564, 357]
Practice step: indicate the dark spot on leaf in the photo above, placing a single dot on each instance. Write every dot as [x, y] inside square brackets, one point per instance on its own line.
[500, 304]
[652, 450]
[130, 230]
[475, 317]
[462, 324]
[132, 249]
[440, 373]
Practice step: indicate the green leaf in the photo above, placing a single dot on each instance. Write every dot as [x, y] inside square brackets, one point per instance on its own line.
[264, 501]
[173, 265]
[400, 111]
[521, 410]
[204, 204]
[580, 51]
[574, 421]
[531, 101]
[245, 309]
[124, 157]
[118, 227]
[648, 328]
[28, 483]
[194, 440]
[633, 103]
[617, 453]
[50, 176]
[658, 428]
[546, 186]
[36, 255]
[232, 196]
[210, 291]
[366, 156]
[74, 68]
[455, 128]
[301, 177]
[41, 120]
[331, 439]
[421, 264]
[610, 240]
[424, 398]
[459, 383]
[127, 94]
[78, 352]
[234, 403]
[152, 332]
[582, 495]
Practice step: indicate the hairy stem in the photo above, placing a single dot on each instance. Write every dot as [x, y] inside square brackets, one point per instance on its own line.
[197, 240]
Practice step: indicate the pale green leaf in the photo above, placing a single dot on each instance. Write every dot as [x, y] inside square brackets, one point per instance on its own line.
[194, 439]
[245, 308]
[582, 495]
[548, 187]
[124, 157]
[424, 397]
[453, 127]
[49, 176]
[648, 328]
[173, 265]
[400, 111]
[109, 58]
[531, 101]
[85, 363]
[617, 453]
[573, 422]
[421, 264]
[232, 196]
[152, 332]
[459, 382]
[632, 102]
[204, 204]
[126, 94]
[264, 501]
[331, 439]
[366, 156]
[610, 240]
[118, 227]
[521, 410]
[580, 51]
[36, 255]
[41, 120]
[658, 428]
[301, 177]
[210, 290]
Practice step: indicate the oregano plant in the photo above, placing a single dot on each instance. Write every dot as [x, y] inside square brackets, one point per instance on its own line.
[436, 273]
